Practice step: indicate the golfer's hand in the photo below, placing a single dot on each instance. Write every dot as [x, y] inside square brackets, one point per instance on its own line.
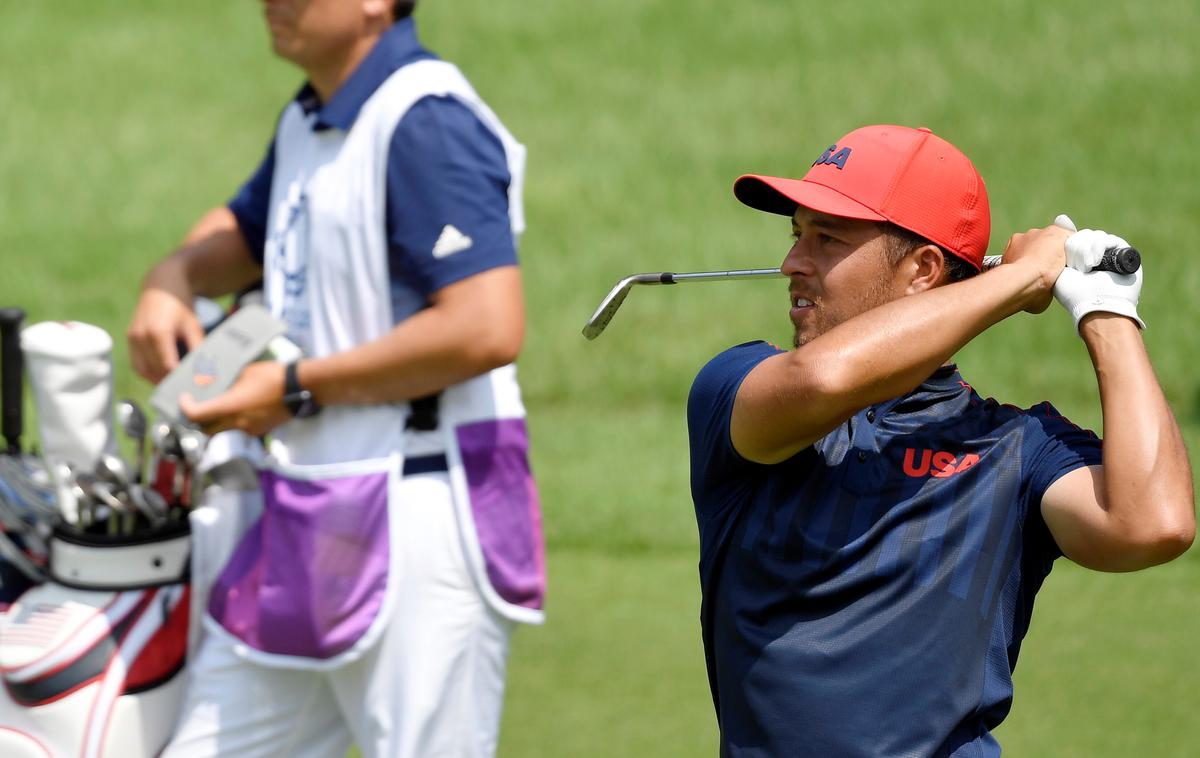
[161, 318]
[1083, 291]
[254, 404]
[1043, 252]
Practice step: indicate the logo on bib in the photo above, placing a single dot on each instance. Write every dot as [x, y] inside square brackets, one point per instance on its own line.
[205, 372]
[450, 242]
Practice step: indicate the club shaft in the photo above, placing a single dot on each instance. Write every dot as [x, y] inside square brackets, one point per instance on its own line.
[700, 276]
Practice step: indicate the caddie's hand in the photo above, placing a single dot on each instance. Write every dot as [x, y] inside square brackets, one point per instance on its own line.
[161, 318]
[254, 404]
[1043, 252]
[1082, 291]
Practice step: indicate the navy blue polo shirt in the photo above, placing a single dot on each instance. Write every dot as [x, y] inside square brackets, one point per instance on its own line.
[868, 596]
[443, 163]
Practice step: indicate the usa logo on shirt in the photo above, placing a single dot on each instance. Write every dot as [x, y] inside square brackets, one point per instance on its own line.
[937, 463]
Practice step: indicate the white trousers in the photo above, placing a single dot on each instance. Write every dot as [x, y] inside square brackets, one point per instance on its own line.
[432, 686]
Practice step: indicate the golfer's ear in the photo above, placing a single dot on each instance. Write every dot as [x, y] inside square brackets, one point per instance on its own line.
[925, 267]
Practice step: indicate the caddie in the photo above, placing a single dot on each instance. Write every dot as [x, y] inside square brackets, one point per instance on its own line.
[873, 531]
[401, 540]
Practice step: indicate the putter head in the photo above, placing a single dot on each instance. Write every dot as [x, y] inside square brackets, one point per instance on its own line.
[612, 301]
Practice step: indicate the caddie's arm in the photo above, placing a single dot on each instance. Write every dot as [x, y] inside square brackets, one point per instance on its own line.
[213, 260]
[471, 327]
[443, 183]
[1137, 509]
[790, 400]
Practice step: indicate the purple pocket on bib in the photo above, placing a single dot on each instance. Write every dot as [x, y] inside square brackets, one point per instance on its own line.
[504, 503]
[311, 576]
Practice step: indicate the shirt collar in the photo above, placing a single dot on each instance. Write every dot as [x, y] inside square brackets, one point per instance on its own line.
[397, 47]
[945, 382]
[946, 377]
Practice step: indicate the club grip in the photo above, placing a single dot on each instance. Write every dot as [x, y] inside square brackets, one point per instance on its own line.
[1120, 260]
[12, 376]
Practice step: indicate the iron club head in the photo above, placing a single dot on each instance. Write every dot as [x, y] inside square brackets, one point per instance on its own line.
[133, 423]
[612, 301]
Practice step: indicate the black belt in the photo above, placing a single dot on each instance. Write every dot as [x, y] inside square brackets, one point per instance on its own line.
[425, 464]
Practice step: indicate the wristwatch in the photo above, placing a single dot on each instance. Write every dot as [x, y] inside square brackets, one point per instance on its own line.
[298, 400]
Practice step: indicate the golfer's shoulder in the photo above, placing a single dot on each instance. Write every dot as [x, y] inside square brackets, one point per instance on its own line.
[1047, 420]
[1040, 421]
[737, 360]
[719, 379]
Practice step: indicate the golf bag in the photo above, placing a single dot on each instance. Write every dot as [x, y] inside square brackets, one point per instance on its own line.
[103, 580]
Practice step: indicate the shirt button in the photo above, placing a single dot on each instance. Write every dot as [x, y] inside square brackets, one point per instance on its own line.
[862, 456]
[871, 416]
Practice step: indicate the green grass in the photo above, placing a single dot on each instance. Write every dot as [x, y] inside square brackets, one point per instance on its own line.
[122, 122]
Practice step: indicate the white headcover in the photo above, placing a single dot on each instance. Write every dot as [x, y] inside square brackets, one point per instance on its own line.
[70, 370]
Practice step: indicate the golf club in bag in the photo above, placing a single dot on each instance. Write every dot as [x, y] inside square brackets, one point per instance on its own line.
[104, 565]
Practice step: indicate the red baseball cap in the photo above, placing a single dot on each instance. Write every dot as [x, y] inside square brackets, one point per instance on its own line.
[910, 177]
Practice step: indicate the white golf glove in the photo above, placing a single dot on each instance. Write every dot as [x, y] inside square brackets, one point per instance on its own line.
[1081, 290]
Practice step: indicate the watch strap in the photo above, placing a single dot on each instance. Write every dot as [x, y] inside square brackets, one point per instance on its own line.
[296, 399]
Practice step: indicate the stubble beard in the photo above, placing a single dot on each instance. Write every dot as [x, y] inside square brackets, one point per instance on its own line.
[823, 319]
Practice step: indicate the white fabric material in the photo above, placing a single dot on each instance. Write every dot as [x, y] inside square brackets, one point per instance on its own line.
[1081, 290]
[326, 254]
[326, 275]
[432, 688]
[479, 399]
[70, 371]
[222, 516]
[216, 526]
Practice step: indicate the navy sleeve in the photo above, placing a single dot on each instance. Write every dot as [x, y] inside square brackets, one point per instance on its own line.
[710, 407]
[251, 204]
[447, 197]
[1057, 446]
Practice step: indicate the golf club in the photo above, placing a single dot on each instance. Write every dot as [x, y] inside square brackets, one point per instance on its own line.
[113, 470]
[29, 486]
[1118, 260]
[133, 423]
[191, 448]
[1123, 260]
[160, 434]
[612, 301]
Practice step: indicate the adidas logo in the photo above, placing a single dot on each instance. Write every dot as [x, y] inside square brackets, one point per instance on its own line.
[450, 241]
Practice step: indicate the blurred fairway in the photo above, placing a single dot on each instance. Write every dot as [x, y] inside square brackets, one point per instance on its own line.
[122, 122]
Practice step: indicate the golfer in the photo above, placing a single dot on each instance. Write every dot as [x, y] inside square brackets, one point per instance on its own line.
[872, 531]
[400, 541]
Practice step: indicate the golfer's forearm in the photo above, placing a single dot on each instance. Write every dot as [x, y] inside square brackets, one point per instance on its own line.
[890, 350]
[1148, 495]
[476, 327]
[213, 260]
